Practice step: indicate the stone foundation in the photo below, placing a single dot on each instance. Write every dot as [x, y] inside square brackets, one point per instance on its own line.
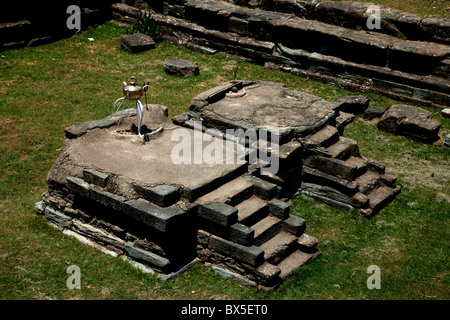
[128, 198]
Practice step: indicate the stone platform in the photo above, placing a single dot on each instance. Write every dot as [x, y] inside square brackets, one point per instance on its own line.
[314, 158]
[132, 197]
[126, 196]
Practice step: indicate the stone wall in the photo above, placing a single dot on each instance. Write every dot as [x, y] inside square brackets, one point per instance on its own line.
[40, 22]
[326, 42]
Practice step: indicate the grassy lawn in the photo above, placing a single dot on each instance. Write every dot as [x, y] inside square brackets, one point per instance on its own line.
[424, 8]
[47, 88]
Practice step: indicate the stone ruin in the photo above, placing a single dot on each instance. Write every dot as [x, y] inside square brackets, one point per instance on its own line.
[127, 197]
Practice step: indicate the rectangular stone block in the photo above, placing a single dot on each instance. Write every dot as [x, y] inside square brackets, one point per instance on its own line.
[332, 166]
[98, 178]
[252, 255]
[294, 225]
[137, 42]
[161, 219]
[263, 189]
[57, 217]
[97, 234]
[108, 199]
[319, 177]
[162, 195]
[279, 208]
[146, 256]
[241, 234]
[78, 186]
[219, 213]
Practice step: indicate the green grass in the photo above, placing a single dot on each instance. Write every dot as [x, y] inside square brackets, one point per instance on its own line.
[420, 7]
[47, 88]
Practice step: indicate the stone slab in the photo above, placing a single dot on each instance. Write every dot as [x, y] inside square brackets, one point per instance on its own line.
[181, 67]
[218, 212]
[252, 255]
[410, 121]
[98, 178]
[137, 42]
[161, 195]
[146, 256]
[161, 219]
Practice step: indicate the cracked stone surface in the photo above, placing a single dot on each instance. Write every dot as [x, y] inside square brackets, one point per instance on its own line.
[265, 105]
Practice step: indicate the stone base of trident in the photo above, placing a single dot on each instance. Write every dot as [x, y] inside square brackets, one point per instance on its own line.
[139, 110]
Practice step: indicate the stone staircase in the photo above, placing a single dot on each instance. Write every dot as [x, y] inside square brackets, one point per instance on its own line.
[334, 172]
[255, 230]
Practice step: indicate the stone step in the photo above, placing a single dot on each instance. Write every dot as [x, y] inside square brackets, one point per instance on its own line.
[368, 181]
[344, 148]
[262, 188]
[325, 137]
[252, 210]
[279, 247]
[380, 197]
[295, 260]
[266, 229]
[231, 193]
[349, 169]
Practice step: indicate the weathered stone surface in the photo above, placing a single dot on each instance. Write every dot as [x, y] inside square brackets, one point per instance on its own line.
[380, 197]
[307, 241]
[161, 219]
[374, 112]
[445, 113]
[146, 256]
[252, 210]
[57, 217]
[78, 130]
[316, 176]
[97, 234]
[263, 189]
[218, 212]
[352, 104]
[323, 137]
[241, 234]
[423, 56]
[181, 67]
[277, 248]
[410, 121]
[137, 42]
[227, 274]
[343, 120]
[279, 208]
[108, 199]
[447, 141]
[162, 195]
[78, 186]
[252, 255]
[294, 225]
[98, 178]
[332, 166]
[266, 228]
[436, 29]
